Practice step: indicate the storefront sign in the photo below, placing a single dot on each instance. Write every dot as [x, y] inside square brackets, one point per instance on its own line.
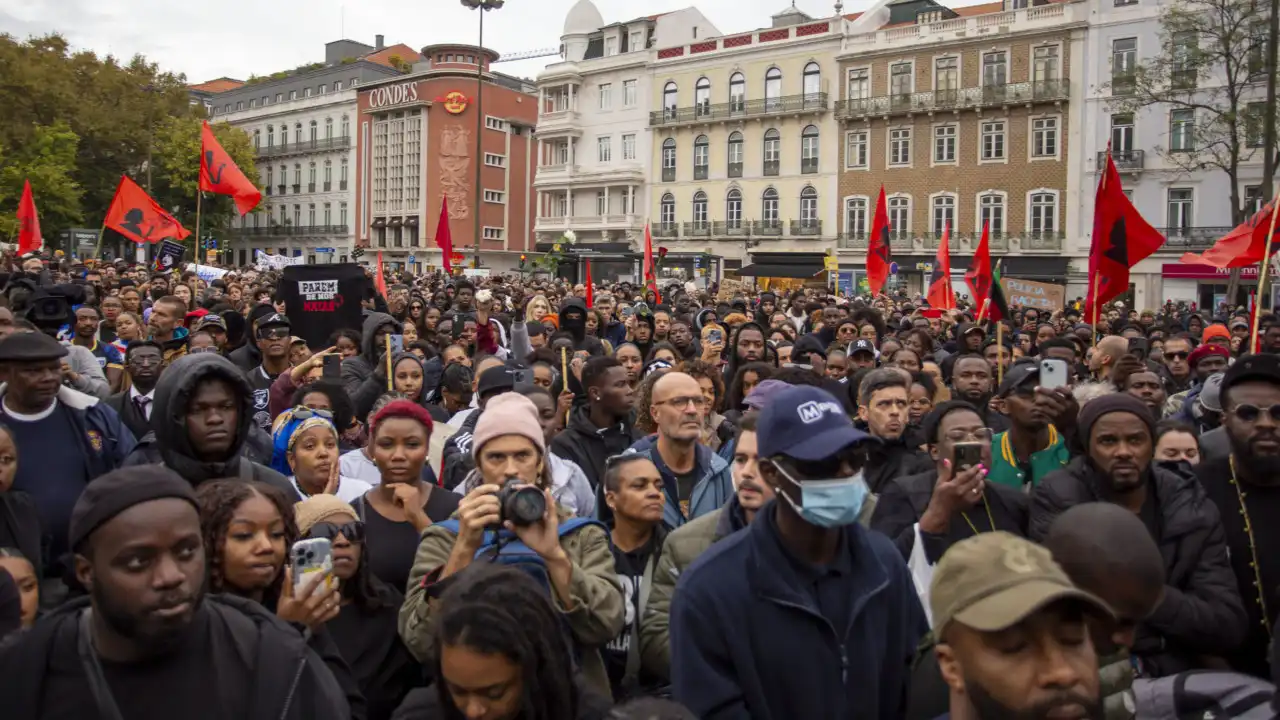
[1191, 271]
[1032, 294]
[389, 95]
[454, 103]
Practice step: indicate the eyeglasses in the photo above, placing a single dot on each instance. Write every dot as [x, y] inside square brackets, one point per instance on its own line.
[682, 402]
[190, 351]
[1177, 355]
[962, 435]
[306, 413]
[273, 333]
[352, 531]
[1251, 413]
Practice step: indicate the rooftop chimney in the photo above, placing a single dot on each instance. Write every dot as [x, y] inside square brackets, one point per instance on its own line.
[378, 42]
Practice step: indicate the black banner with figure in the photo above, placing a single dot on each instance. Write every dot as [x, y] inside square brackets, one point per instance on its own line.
[321, 299]
[169, 256]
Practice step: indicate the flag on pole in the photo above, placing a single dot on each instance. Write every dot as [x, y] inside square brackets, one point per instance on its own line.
[444, 236]
[983, 279]
[220, 175]
[1243, 246]
[1121, 239]
[136, 216]
[380, 280]
[29, 238]
[591, 291]
[650, 270]
[878, 251]
[941, 295]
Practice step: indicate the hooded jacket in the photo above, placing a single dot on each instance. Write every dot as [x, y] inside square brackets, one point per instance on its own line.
[713, 489]
[359, 372]
[288, 680]
[172, 445]
[1201, 613]
[456, 459]
[588, 446]
[573, 320]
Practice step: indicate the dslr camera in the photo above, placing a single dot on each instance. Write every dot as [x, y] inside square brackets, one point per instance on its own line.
[523, 505]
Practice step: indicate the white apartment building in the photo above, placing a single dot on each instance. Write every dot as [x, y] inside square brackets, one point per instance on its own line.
[594, 143]
[1192, 209]
[301, 124]
[305, 160]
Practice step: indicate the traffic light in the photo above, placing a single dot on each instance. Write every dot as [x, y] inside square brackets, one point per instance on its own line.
[523, 260]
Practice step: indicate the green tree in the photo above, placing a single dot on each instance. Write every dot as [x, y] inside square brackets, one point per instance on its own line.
[49, 162]
[176, 168]
[112, 107]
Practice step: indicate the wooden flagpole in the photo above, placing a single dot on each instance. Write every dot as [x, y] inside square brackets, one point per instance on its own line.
[999, 352]
[564, 373]
[196, 252]
[1262, 278]
[982, 312]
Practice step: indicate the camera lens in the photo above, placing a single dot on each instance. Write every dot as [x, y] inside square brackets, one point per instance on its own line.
[522, 505]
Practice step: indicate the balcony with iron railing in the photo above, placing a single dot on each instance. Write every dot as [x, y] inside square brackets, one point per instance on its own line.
[1125, 160]
[803, 228]
[966, 98]
[298, 148]
[735, 170]
[899, 241]
[772, 168]
[809, 166]
[699, 172]
[291, 230]
[1183, 239]
[738, 229]
[668, 174]
[739, 109]
[964, 243]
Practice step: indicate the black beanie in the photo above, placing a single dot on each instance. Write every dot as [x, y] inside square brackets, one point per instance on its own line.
[117, 491]
[1115, 402]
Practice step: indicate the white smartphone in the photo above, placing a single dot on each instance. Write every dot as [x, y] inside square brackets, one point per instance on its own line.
[1054, 374]
[308, 557]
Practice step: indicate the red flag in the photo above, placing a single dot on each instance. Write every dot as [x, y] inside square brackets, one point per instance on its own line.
[878, 247]
[941, 295]
[981, 280]
[591, 291]
[219, 174]
[29, 239]
[1121, 239]
[444, 238]
[380, 280]
[1243, 246]
[650, 271]
[136, 216]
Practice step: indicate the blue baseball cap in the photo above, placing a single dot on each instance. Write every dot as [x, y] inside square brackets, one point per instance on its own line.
[805, 423]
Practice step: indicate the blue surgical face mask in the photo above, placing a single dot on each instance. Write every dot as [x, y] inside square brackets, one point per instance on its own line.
[828, 503]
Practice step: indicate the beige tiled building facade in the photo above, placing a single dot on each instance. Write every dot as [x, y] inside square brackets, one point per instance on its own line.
[964, 118]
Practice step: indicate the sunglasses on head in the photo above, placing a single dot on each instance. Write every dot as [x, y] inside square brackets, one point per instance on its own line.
[306, 413]
[352, 531]
[273, 333]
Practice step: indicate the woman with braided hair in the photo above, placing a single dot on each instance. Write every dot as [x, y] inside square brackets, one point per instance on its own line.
[501, 653]
[248, 528]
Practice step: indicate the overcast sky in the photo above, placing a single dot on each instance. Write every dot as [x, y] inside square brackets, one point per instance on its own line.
[237, 38]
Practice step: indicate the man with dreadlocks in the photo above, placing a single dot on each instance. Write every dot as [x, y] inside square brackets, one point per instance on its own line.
[501, 653]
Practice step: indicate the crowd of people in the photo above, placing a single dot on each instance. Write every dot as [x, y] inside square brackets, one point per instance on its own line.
[668, 502]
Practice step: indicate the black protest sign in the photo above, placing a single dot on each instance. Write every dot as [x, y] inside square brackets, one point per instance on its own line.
[321, 299]
[169, 256]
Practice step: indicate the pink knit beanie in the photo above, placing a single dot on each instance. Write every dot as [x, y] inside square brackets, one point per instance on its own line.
[508, 414]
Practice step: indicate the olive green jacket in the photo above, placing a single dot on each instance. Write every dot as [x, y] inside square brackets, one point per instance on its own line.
[680, 549]
[598, 603]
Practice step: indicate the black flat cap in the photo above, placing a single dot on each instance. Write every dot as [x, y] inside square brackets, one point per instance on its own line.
[115, 492]
[30, 347]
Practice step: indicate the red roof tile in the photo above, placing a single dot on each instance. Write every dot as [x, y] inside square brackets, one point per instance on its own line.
[383, 56]
[216, 86]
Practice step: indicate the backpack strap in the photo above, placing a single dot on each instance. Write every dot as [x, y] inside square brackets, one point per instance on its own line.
[359, 506]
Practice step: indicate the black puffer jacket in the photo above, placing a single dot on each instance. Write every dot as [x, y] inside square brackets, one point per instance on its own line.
[891, 459]
[172, 445]
[456, 459]
[1201, 614]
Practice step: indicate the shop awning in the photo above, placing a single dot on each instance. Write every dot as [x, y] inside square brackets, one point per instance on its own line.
[771, 270]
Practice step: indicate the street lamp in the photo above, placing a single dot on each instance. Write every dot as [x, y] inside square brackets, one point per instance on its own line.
[483, 6]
